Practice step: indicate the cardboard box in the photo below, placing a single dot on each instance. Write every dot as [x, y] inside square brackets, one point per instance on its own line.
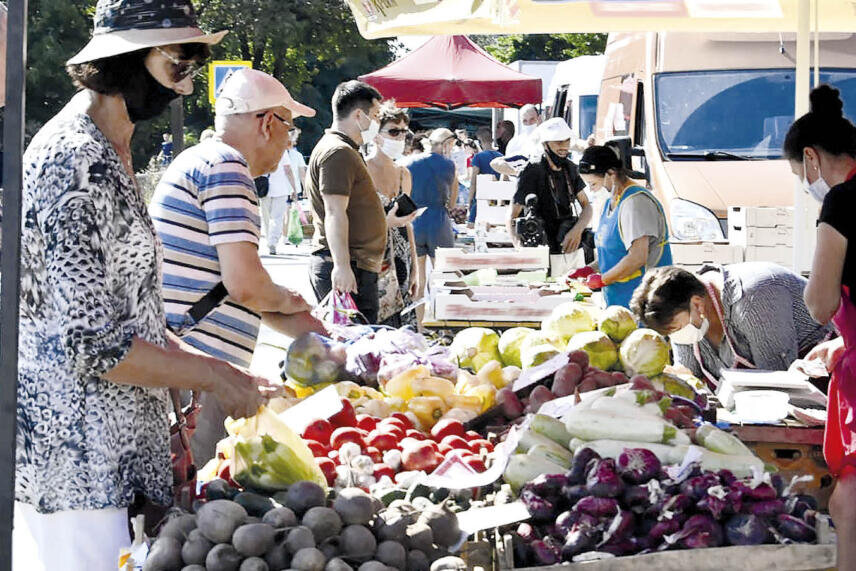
[526, 307]
[782, 255]
[491, 212]
[759, 217]
[696, 254]
[760, 236]
[451, 259]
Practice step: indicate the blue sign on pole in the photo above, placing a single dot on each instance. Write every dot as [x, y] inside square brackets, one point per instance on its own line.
[218, 71]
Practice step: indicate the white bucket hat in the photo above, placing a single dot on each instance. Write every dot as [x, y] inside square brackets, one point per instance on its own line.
[247, 90]
[555, 129]
[123, 26]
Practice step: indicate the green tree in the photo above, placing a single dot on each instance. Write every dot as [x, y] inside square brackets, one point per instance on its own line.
[542, 46]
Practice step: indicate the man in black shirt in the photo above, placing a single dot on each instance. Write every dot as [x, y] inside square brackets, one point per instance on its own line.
[555, 182]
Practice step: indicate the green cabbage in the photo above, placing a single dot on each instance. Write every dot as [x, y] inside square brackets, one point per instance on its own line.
[602, 352]
[617, 322]
[644, 352]
[568, 319]
[509, 344]
[534, 355]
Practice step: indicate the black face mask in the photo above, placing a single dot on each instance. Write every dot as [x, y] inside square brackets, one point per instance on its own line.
[145, 97]
[554, 158]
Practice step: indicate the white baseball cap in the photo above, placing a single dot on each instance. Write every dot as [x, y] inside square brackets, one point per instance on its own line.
[247, 90]
[555, 129]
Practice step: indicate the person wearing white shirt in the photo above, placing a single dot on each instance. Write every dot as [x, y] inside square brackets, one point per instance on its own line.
[523, 147]
[285, 184]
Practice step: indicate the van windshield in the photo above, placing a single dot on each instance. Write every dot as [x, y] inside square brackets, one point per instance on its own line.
[736, 113]
[588, 115]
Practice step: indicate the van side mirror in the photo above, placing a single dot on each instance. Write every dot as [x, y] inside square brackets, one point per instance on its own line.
[639, 167]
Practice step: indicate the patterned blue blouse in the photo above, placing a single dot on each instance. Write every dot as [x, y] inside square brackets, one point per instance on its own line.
[90, 283]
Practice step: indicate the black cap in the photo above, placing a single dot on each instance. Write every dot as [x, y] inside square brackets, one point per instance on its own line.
[599, 159]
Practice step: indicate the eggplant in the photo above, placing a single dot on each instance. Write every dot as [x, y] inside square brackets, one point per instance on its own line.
[547, 486]
[638, 465]
[579, 465]
[746, 529]
[795, 528]
[764, 509]
[575, 493]
[541, 509]
[598, 507]
[602, 479]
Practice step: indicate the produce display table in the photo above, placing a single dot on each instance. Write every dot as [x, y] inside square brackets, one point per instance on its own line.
[790, 557]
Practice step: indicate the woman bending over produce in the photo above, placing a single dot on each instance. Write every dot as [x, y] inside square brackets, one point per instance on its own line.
[821, 147]
[743, 315]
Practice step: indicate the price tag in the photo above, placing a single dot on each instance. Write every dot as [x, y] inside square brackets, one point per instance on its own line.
[534, 374]
[478, 519]
[323, 404]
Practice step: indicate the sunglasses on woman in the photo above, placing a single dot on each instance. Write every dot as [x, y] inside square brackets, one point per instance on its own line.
[397, 132]
[182, 69]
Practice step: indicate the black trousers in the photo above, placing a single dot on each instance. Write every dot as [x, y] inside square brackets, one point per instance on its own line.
[366, 297]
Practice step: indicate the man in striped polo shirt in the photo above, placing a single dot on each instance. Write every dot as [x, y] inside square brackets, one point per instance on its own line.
[206, 211]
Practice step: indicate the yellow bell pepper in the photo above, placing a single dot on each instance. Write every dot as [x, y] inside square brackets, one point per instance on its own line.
[432, 387]
[487, 394]
[466, 402]
[372, 393]
[462, 414]
[303, 392]
[400, 384]
[491, 373]
[427, 409]
[396, 403]
[374, 407]
[466, 381]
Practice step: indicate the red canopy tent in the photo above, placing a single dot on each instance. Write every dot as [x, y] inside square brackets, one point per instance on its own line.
[451, 72]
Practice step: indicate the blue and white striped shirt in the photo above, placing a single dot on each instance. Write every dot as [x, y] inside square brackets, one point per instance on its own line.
[206, 198]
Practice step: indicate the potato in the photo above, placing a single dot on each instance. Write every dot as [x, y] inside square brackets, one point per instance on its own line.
[196, 548]
[304, 495]
[354, 506]
[417, 561]
[164, 556]
[358, 543]
[308, 559]
[219, 519]
[373, 566]
[178, 527]
[194, 567]
[278, 556]
[223, 557]
[420, 536]
[254, 564]
[324, 523]
[255, 504]
[449, 563]
[392, 553]
[280, 517]
[254, 539]
[299, 538]
[337, 564]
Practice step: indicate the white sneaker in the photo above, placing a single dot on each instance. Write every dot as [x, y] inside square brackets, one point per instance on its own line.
[272, 250]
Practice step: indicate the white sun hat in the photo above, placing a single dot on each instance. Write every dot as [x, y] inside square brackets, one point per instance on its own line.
[246, 90]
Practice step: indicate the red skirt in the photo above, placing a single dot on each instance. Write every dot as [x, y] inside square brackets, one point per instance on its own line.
[839, 438]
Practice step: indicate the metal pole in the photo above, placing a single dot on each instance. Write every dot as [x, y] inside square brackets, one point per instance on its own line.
[176, 125]
[10, 264]
[816, 42]
[803, 237]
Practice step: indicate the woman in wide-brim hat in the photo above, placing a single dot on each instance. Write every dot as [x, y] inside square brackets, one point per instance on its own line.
[95, 356]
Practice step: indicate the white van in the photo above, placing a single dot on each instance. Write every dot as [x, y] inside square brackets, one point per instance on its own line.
[705, 116]
[573, 93]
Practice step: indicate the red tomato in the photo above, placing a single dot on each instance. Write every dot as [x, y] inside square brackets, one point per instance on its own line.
[333, 455]
[475, 463]
[447, 427]
[433, 444]
[375, 454]
[417, 434]
[455, 442]
[420, 456]
[347, 434]
[366, 421]
[381, 469]
[445, 449]
[382, 440]
[346, 416]
[317, 448]
[408, 424]
[328, 467]
[319, 430]
[473, 435]
[393, 422]
[476, 445]
[225, 472]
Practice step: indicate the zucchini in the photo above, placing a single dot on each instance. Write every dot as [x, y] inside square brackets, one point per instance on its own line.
[522, 468]
[598, 425]
[613, 449]
[550, 454]
[720, 441]
[530, 438]
[551, 428]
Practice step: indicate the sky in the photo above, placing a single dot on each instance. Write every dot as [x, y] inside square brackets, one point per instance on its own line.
[411, 43]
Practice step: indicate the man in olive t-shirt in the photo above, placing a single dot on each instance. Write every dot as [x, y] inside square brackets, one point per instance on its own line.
[350, 224]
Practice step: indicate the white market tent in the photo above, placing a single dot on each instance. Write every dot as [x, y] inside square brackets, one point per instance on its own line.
[386, 18]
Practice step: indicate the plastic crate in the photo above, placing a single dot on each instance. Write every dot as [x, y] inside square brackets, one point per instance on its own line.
[755, 236]
[759, 217]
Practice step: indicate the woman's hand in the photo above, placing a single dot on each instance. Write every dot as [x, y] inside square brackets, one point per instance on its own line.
[828, 352]
[239, 392]
[394, 221]
[572, 239]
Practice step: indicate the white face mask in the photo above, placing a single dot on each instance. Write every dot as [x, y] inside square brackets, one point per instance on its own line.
[817, 189]
[690, 334]
[527, 129]
[393, 148]
[369, 133]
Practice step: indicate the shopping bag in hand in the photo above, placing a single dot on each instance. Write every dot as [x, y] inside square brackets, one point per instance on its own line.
[295, 229]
